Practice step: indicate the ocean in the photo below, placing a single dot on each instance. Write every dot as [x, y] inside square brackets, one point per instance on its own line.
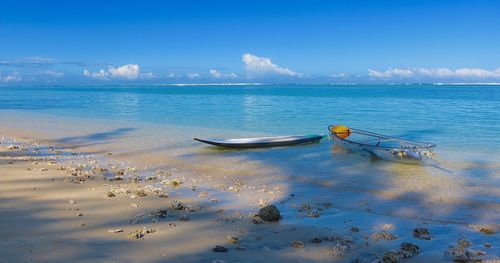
[153, 127]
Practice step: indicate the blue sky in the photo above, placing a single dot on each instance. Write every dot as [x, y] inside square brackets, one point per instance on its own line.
[91, 42]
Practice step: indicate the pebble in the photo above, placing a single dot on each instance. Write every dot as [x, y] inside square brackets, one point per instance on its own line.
[111, 194]
[383, 235]
[183, 217]
[72, 202]
[219, 249]
[257, 220]
[298, 244]
[316, 240]
[422, 233]
[354, 229]
[270, 213]
[119, 230]
[134, 205]
[233, 239]
[140, 233]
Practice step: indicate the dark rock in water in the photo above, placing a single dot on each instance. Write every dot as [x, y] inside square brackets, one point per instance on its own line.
[183, 217]
[383, 235]
[422, 233]
[355, 229]
[316, 240]
[270, 213]
[391, 257]
[233, 239]
[219, 249]
[412, 248]
[178, 205]
[298, 244]
[461, 252]
[257, 220]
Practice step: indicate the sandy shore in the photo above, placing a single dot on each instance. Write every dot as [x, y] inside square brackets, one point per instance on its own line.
[59, 206]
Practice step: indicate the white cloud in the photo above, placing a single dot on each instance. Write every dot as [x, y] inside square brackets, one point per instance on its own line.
[216, 74]
[462, 73]
[128, 72]
[53, 73]
[264, 66]
[192, 75]
[12, 77]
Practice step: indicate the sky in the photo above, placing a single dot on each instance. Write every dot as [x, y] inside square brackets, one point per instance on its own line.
[115, 42]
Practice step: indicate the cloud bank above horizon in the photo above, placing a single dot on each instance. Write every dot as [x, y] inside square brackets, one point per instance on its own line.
[254, 68]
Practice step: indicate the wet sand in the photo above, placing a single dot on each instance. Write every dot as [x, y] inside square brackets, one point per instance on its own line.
[58, 206]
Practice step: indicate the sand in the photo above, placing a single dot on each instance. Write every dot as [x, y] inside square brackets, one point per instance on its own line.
[61, 206]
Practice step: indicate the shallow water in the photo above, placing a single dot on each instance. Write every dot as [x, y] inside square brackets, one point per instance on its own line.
[153, 126]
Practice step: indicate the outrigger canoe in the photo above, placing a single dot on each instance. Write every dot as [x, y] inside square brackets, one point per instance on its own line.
[381, 146]
[263, 141]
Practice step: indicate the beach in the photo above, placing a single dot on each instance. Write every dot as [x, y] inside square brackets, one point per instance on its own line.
[117, 190]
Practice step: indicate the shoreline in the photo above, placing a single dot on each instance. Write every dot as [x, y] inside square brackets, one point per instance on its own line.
[75, 199]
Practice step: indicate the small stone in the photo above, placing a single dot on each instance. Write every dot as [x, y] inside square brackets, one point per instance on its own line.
[257, 220]
[392, 257]
[316, 240]
[82, 224]
[298, 244]
[163, 195]
[111, 194]
[383, 235]
[421, 233]
[184, 218]
[140, 193]
[219, 249]
[412, 248]
[79, 214]
[140, 233]
[203, 194]
[270, 213]
[241, 248]
[134, 205]
[488, 245]
[233, 239]
[354, 229]
[118, 230]
[72, 202]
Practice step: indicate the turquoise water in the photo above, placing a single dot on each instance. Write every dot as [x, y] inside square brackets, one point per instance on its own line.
[154, 126]
[454, 117]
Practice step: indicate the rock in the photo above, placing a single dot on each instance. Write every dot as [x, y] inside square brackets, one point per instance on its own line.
[140, 233]
[270, 213]
[118, 230]
[79, 214]
[178, 205]
[203, 194]
[488, 245]
[257, 220]
[233, 239]
[219, 249]
[354, 229]
[383, 235]
[412, 248]
[422, 233]
[111, 194]
[298, 244]
[241, 248]
[183, 217]
[140, 193]
[392, 257]
[72, 202]
[163, 195]
[134, 205]
[316, 240]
